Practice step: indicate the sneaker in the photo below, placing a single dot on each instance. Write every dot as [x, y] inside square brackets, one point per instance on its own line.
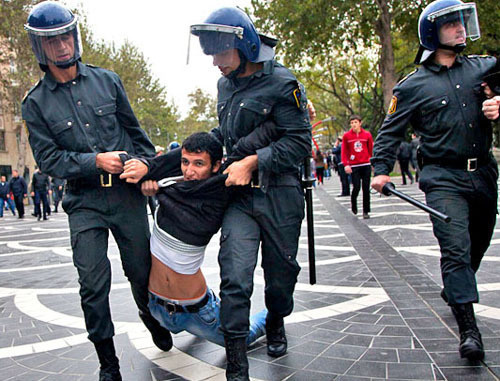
[366, 216]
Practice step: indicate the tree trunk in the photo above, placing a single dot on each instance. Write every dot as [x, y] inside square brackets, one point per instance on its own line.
[387, 70]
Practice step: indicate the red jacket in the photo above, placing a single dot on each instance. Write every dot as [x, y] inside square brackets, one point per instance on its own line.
[357, 149]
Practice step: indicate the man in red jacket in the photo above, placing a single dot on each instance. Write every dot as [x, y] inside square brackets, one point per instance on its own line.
[357, 149]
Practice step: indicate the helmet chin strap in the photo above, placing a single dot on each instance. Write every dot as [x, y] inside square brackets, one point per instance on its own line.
[66, 64]
[241, 68]
[458, 48]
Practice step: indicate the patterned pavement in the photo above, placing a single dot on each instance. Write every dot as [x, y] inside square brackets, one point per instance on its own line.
[375, 312]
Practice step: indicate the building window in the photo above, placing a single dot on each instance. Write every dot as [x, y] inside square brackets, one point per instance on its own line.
[2, 140]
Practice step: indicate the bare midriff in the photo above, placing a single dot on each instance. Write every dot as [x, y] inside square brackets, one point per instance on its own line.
[166, 282]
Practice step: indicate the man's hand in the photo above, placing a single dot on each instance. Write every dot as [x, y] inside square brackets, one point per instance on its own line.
[32, 194]
[109, 161]
[149, 188]
[348, 169]
[240, 172]
[491, 108]
[379, 181]
[133, 171]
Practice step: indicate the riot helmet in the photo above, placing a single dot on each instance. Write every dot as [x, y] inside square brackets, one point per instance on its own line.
[231, 28]
[173, 145]
[446, 24]
[54, 35]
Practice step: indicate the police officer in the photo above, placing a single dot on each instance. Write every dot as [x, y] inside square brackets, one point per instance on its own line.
[268, 207]
[442, 101]
[79, 119]
[57, 186]
[39, 191]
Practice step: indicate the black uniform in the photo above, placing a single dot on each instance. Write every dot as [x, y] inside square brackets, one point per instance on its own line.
[69, 123]
[40, 186]
[270, 213]
[18, 188]
[459, 175]
[57, 186]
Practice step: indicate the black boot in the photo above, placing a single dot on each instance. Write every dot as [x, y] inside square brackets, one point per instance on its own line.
[276, 339]
[161, 336]
[110, 369]
[471, 345]
[237, 361]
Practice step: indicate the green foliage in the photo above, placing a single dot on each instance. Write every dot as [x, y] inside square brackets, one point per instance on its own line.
[336, 49]
[202, 114]
[147, 96]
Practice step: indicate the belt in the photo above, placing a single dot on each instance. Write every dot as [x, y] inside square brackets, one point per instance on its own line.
[469, 165]
[178, 308]
[279, 180]
[106, 180]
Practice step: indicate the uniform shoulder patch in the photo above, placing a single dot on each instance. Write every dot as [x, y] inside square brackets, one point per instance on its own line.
[31, 90]
[299, 95]
[393, 105]
[407, 76]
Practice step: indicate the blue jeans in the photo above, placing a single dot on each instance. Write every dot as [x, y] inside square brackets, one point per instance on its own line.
[10, 204]
[206, 322]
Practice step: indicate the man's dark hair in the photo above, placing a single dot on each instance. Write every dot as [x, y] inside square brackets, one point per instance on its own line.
[203, 142]
[355, 117]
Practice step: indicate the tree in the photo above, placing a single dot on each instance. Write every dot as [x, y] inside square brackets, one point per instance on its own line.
[350, 55]
[202, 114]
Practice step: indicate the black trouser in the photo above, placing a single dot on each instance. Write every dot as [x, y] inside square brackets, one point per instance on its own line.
[93, 213]
[57, 196]
[41, 196]
[361, 177]
[405, 170]
[320, 173]
[344, 180]
[18, 200]
[470, 199]
[254, 218]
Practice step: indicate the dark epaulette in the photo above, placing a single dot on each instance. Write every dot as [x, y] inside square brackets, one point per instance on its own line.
[31, 90]
[408, 76]
[93, 66]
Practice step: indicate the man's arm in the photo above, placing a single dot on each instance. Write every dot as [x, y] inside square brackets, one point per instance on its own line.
[260, 137]
[294, 130]
[157, 168]
[128, 121]
[390, 135]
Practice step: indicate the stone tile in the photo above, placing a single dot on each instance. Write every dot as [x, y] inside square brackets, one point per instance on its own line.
[410, 371]
[368, 369]
[381, 355]
[330, 365]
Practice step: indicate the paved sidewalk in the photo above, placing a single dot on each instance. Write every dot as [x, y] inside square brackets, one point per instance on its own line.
[375, 312]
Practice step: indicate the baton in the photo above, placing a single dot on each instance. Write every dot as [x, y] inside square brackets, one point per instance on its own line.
[389, 189]
[307, 182]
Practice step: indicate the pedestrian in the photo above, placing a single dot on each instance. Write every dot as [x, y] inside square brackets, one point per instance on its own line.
[39, 192]
[268, 205]
[79, 121]
[415, 142]
[5, 196]
[357, 149]
[19, 189]
[344, 180]
[404, 155]
[319, 161]
[442, 102]
[57, 186]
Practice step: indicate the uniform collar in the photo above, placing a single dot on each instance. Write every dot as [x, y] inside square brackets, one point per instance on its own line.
[435, 67]
[51, 83]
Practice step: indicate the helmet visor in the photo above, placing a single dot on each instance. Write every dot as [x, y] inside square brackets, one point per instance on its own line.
[457, 23]
[59, 47]
[218, 41]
